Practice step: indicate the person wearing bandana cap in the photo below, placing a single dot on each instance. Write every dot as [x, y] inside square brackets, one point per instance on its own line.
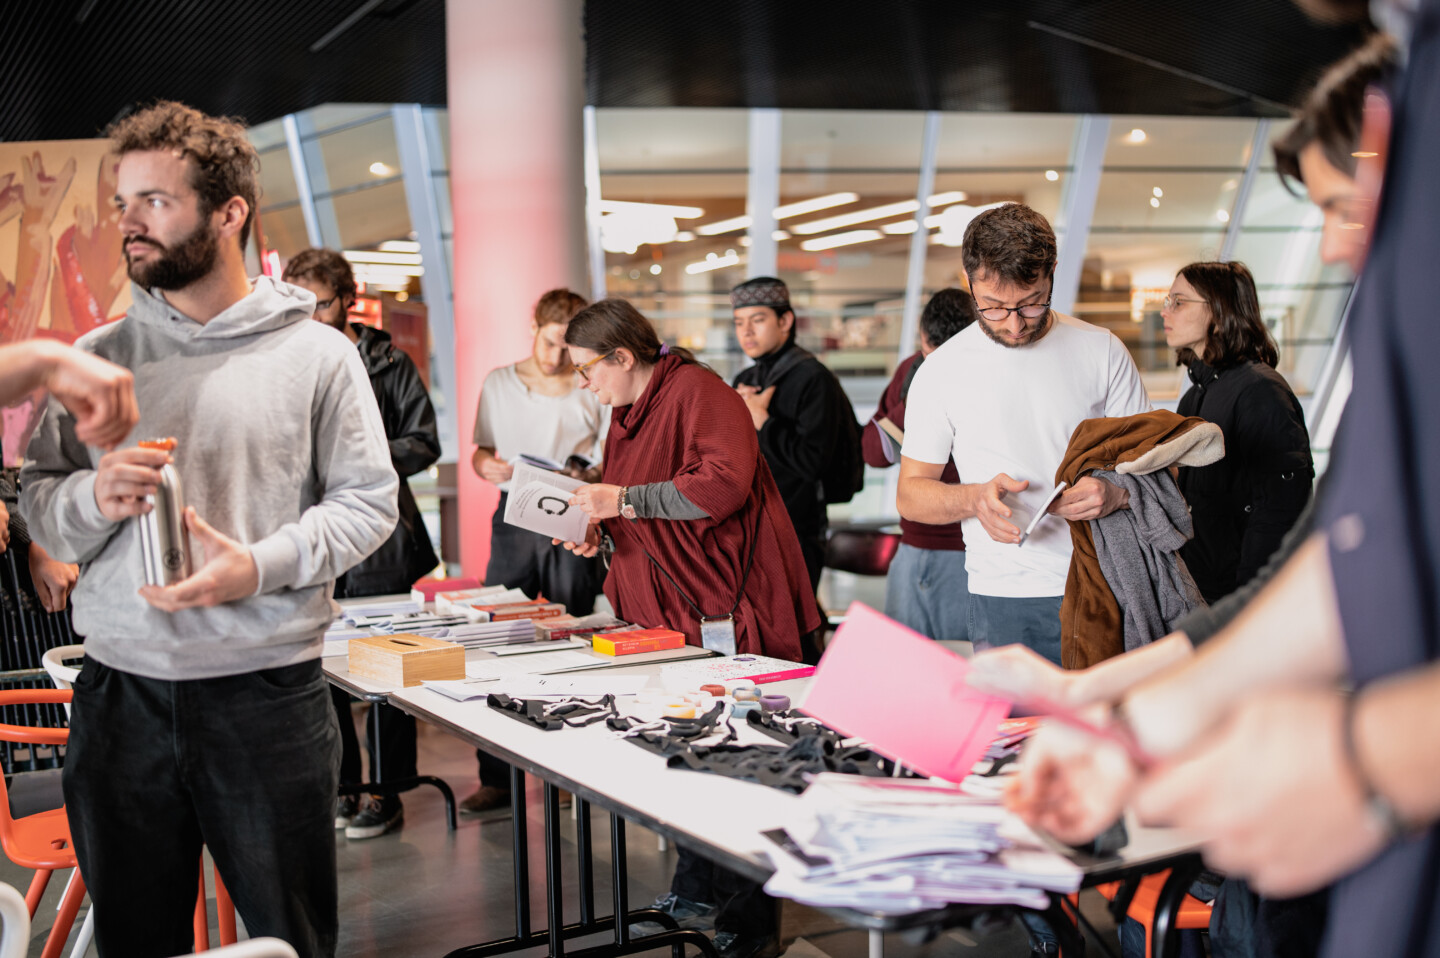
[798, 407]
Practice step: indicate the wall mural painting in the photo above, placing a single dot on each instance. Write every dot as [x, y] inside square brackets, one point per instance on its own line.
[62, 267]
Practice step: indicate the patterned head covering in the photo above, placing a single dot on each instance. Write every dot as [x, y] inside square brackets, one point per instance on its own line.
[761, 291]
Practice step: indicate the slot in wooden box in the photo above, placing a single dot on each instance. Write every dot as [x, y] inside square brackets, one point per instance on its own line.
[404, 660]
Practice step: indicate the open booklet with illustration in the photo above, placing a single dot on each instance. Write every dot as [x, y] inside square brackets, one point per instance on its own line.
[540, 502]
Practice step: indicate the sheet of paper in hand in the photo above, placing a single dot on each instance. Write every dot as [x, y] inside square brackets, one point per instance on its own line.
[540, 501]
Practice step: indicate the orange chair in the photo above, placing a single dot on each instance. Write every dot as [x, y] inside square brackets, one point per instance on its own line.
[1194, 914]
[40, 841]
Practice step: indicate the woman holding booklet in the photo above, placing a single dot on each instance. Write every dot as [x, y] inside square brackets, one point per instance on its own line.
[699, 538]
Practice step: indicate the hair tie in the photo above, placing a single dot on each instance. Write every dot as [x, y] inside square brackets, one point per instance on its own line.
[664, 349]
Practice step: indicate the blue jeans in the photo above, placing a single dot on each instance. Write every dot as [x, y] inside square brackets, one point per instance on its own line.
[997, 620]
[928, 590]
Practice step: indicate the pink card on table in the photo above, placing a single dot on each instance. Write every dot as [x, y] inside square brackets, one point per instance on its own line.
[904, 694]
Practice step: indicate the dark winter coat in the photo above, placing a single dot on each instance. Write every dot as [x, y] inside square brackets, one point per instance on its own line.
[409, 420]
[1243, 505]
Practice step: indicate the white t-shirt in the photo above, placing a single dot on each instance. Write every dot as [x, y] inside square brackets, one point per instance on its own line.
[1012, 410]
[512, 420]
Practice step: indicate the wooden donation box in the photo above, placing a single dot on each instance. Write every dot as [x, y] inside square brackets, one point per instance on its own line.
[405, 660]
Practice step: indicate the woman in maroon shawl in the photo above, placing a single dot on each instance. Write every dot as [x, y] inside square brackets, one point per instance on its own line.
[683, 466]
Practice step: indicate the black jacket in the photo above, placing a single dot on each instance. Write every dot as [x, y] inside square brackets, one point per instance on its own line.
[806, 413]
[414, 445]
[1244, 504]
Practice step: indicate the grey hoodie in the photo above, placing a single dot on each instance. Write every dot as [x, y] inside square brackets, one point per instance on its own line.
[280, 446]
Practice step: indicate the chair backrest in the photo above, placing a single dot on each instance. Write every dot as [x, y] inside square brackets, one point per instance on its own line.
[28, 734]
[14, 923]
[53, 661]
[863, 550]
[253, 948]
[26, 632]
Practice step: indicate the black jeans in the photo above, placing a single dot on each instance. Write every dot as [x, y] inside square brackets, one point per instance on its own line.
[397, 743]
[743, 908]
[245, 764]
[520, 559]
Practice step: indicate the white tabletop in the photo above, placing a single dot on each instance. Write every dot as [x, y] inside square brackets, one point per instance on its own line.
[722, 816]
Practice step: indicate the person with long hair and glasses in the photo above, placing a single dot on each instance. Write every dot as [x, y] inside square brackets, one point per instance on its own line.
[699, 541]
[1244, 504]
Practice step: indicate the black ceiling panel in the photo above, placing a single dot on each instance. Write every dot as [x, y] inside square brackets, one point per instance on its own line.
[69, 67]
[1216, 58]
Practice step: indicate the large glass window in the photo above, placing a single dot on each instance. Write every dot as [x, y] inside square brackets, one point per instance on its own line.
[992, 158]
[1166, 196]
[674, 182]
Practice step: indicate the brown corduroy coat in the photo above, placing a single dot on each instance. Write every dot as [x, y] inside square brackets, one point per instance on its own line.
[1091, 624]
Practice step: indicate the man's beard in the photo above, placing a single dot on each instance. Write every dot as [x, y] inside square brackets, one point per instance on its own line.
[1033, 334]
[178, 265]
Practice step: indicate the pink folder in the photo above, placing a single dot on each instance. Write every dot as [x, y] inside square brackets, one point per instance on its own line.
[904, 694]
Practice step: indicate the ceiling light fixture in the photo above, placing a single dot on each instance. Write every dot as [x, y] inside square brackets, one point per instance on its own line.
[380, 169]
[841, 239]
[1052, 175]
[1136, 135]
[814, 205]
[1158, 192]
[859, 216]
[725, 226]
[1155, 202]
[382, 257]
[713, 262]
[674, 212]
[1222, 215]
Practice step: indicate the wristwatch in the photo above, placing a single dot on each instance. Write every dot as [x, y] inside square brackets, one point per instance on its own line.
[627, 508]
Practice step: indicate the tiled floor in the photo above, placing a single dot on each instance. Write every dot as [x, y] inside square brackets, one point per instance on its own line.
[423, 891]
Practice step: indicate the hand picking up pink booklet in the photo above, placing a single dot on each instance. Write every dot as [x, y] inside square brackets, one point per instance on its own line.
[904, 694]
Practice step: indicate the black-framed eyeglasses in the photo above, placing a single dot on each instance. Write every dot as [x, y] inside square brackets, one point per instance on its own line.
[998, 314]
[325, 303]
[1175, 302]
[583, 369]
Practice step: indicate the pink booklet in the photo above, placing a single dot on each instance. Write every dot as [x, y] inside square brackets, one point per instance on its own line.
[904, 694]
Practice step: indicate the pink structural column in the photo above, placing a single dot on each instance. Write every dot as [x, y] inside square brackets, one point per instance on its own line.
[516, 71]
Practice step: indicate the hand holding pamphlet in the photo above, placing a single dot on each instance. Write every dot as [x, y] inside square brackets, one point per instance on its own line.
[540, 502]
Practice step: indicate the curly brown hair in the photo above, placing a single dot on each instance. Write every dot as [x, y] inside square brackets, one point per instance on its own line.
[324, 266]
[558, 306]
[1010, 244]
[225, 164]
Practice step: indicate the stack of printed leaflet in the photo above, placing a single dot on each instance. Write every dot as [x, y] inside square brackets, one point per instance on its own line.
[895, 846]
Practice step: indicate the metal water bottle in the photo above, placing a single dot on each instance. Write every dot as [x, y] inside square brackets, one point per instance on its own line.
[164, 541]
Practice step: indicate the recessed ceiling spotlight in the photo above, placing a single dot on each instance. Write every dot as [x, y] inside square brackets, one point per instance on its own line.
[380, 169]
[1158, 192]
[654, 269]
[1222, 215]
[1137, 135]
[1155, 202]
[1052, 175]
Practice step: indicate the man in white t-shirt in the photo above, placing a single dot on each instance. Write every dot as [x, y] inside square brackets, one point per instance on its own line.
[534, 408]
[1003, 397]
